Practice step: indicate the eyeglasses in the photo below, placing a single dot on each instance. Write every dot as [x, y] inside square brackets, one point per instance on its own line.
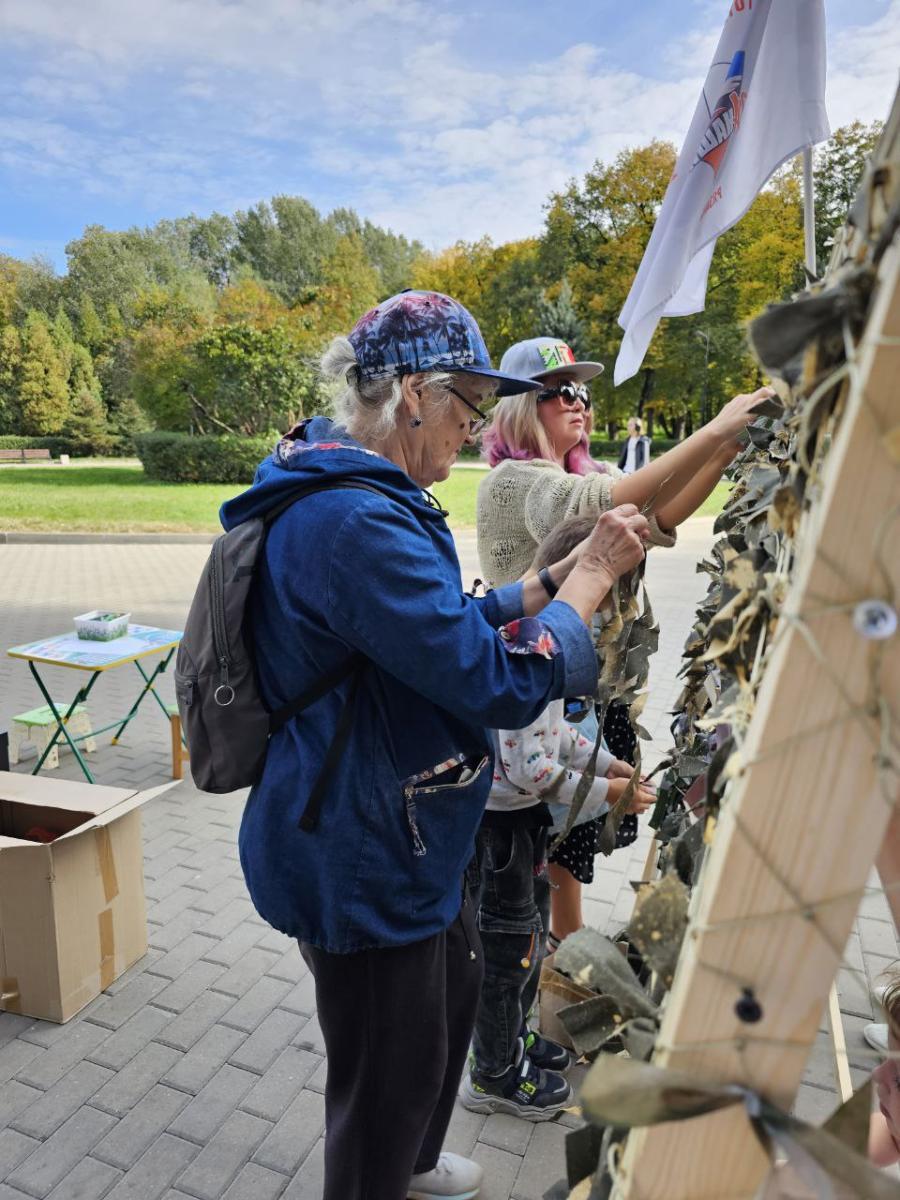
[569, 393]
[474, 426]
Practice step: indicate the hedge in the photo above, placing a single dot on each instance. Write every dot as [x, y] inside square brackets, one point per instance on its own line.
[185, 458]
[65, 445]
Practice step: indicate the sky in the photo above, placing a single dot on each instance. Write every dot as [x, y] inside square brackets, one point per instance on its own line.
[439, 120]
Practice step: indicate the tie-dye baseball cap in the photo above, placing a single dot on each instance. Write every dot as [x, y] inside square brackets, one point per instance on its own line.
[542, 358]
[424, 331]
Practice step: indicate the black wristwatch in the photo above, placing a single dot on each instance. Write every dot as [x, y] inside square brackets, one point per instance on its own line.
[547, 581]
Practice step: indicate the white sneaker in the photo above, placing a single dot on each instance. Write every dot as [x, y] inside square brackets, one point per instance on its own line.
[454, 1178]
[877, 1037]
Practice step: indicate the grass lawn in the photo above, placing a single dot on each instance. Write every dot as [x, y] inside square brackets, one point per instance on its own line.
[117, 498]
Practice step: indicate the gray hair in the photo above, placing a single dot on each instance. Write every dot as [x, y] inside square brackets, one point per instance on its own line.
[368, 409]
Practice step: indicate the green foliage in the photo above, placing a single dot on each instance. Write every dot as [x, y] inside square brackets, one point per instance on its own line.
[56, 445]
[180, 458]
[839, 166]
[556, 317]
[43, 393]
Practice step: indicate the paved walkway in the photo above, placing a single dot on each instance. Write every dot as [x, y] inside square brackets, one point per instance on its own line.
[199, 1074]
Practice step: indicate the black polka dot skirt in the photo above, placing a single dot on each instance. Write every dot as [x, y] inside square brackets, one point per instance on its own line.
[577, 852]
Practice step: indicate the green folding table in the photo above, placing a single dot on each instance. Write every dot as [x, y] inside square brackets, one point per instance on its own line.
[67, 650]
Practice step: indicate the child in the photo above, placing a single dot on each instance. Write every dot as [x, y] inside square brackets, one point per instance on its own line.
[514, 1070]
[884, 1126]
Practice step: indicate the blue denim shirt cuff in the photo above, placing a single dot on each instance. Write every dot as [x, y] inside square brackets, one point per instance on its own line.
[504, 604]
[578, 656]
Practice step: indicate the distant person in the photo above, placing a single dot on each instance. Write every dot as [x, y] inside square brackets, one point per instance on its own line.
[635, 449]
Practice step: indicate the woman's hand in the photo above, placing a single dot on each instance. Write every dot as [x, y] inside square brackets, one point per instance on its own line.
[737, 414]
[617, 544]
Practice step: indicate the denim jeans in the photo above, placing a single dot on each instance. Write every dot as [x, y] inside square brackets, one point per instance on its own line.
[510, 885]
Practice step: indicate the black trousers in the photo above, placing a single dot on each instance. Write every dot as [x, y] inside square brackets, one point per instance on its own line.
[397, 1024]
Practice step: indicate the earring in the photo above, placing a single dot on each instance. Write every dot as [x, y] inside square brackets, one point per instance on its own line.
[416, 422]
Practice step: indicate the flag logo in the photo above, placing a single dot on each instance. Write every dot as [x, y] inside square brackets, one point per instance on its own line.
[725, 118]
[556, 356]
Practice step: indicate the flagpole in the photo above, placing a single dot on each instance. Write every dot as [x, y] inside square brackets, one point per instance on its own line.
[809, 213]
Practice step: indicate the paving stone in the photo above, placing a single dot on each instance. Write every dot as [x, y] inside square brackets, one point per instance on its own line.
[140, 1127]
[237, 980]
[234, 913]
[256, 1183]
[14, 1148]
[500, 1171]
[197, 1067]
[813, 1104]
[128, 1086]
[464, 1130]
[544, 1163]
[213, 1104]
[191, 983]
[167, 937]
[319, 1077]
[82, 1040]
[199, 1016]
[217, 1164]
[233, 947]
[62, 1151]
[89, 1179]
[12, 1024]
[63, 1099]
[143, 964]
[287, 1075]
[151, 1176]
[877, 937]
[48, 1033]
[161, 883]
[295, 1134]
[264, 1045]
[120, 1047]
[309, 1181]
[15, 1097]
[310, 1036]
[113, 1011]
[506, 1133]
[8, 1193]
[290, 966]
[273, 940]
[250, 1011]
[15, 1056]
[854, 994]
[173, 964]
[302, 997]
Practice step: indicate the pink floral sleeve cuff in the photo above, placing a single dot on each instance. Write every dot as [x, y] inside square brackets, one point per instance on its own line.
[529, 635]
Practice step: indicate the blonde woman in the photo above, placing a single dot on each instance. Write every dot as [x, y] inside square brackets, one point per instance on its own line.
[542, 474]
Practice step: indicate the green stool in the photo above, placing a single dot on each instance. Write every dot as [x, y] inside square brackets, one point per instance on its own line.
[38, 727]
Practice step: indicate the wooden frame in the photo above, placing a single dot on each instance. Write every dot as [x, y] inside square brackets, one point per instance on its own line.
[805, 820]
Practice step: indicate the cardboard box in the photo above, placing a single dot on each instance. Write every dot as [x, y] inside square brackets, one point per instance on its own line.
[72, 911]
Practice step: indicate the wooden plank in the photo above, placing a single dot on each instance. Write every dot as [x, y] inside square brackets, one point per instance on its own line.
[839, 1045]
[805, 820]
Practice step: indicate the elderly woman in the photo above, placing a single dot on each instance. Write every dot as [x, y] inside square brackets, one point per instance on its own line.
[543, 473]
[361, 854]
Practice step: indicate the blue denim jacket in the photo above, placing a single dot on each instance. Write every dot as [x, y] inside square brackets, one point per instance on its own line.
[348, 570]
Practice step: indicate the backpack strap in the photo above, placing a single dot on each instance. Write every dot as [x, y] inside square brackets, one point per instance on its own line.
[352, 668]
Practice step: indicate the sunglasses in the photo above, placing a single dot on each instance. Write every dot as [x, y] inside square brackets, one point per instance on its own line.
[474, 426]
[570, 394]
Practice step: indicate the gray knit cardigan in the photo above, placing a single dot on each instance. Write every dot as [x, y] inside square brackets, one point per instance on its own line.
[519, 502]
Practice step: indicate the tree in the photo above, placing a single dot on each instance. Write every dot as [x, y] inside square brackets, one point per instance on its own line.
[839, 167]
[284, 243]
[43, 386]
[10, 370]
[212, 246]
[556, 317]
[86, 424]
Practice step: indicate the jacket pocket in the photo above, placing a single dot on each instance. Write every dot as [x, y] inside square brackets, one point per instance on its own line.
[415, 794]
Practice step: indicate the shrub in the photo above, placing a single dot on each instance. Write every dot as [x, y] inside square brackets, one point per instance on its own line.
[186, 458]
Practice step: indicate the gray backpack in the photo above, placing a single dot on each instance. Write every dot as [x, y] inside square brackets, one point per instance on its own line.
[226, 724]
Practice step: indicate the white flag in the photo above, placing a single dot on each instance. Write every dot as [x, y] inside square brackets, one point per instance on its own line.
[763, 101]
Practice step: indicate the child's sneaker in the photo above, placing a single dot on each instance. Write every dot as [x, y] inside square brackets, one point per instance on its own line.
[544, 1053]
[523, 1090]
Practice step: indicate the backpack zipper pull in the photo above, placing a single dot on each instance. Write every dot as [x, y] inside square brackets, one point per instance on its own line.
[224, 693]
